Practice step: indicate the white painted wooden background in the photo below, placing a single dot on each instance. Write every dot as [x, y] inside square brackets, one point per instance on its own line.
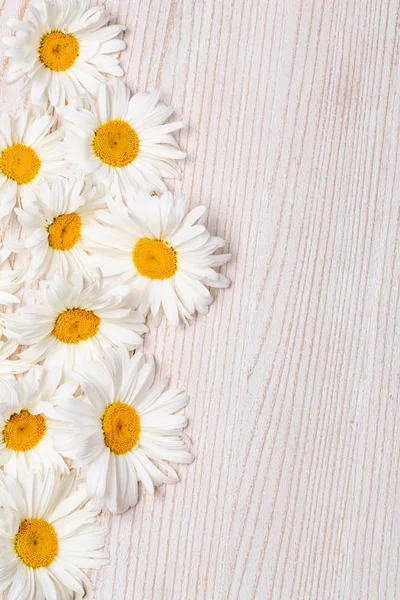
[293, 114]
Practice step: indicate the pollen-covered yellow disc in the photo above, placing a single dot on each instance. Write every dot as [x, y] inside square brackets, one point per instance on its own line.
[36, 543]
[121, 427]
[19, 163]
[76, 325]
[154, 259]
[58, 51]
[64, 231]
[116, 143]
[23, 431]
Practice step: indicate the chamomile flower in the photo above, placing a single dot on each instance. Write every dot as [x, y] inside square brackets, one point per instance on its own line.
[75, 321]
[63, 47]
[29, 154]
[125, 429]
[48, 533]
[26, 424]
[163, 251]
[55, 224]
[9, 366]
[125, 142]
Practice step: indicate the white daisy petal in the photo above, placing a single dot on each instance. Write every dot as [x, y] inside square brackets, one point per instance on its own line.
[38, 129]
[157, 476]
[97, 474]
[11, 282]
[46, 584]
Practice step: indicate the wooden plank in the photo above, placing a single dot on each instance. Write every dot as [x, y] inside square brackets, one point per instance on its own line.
[292, 112]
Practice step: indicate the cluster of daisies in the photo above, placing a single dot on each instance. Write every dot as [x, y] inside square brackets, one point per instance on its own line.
[103, 244]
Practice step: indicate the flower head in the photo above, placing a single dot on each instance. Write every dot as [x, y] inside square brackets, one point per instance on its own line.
[55, 223]
[165, 253]
[63, 47]
[29, 155]
[124, 142]
[48, 533]
[26, 424]
[74, 321]
[124, 430]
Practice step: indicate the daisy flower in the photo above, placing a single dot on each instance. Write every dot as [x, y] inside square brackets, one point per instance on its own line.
[8, 366]
[55, 223]
[125, 142]
[63, 48]
[74, 321]
[162, 251]
[28, 155]
[124, 430]
[47, 535]
[26, 424]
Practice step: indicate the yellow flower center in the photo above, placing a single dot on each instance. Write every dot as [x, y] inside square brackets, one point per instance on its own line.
[154, 259]
[116, 143]
[23, 431]
[20, 163]
[64, 231]
[121, 427]
[76, 325]
[58, 51]
[36, 543]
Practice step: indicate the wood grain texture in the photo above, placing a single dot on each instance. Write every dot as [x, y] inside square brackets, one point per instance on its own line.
[293, 114]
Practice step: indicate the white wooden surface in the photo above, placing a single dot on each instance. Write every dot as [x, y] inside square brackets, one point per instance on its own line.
[293, 112]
